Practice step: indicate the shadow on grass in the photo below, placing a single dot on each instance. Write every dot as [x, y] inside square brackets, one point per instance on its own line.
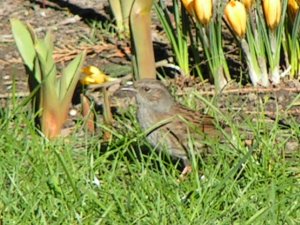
[139, 153]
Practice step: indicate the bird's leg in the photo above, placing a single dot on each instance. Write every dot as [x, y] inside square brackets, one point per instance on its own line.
[186, 170]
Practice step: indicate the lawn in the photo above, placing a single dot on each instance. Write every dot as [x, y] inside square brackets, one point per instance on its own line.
[80, 179]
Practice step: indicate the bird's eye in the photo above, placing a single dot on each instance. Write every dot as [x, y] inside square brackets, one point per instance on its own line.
[146, 89]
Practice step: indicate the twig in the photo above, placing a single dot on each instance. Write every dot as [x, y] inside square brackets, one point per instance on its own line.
[252, 90]
[269, 113]
[18, 95]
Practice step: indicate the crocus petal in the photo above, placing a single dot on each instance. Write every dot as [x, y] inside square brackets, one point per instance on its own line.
[272, 11]
[236, 16]
[203, 10]
[94, 76]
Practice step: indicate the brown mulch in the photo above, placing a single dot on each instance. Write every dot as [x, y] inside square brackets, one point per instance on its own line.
[70, 21]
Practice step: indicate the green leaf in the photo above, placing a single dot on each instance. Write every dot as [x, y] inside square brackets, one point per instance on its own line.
[45, 48]
[37, 71]
[48, 71]
[45, 54]
[70, 77]
[25, 39]
[295, 31]
[49, 39]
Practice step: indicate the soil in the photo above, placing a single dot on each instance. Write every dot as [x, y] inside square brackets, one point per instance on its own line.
[74, 24]
[70, 22]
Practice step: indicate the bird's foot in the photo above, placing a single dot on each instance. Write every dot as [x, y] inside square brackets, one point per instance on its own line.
[185, 172]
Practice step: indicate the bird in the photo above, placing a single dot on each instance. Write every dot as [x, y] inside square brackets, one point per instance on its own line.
[169, 125]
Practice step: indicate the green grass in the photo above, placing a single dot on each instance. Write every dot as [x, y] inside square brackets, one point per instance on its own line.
[76, 180]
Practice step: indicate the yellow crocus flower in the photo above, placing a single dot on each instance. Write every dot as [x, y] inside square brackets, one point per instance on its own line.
[94, 76]
[236, 16]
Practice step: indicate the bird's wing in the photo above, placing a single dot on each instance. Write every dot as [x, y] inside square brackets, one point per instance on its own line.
[202, 121]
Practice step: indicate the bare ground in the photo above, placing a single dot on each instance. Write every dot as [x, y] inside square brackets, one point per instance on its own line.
[73, 22]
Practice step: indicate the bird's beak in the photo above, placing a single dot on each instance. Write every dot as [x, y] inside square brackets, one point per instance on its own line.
[129, 87]
[125, 91]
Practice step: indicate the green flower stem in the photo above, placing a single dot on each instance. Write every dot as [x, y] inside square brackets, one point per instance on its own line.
[177, 31]
[274, 60]
[254, 72]
[126, 6]
[140, 27]
[211, 41]
[263, 70]
[107, 114]
[116, 9]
